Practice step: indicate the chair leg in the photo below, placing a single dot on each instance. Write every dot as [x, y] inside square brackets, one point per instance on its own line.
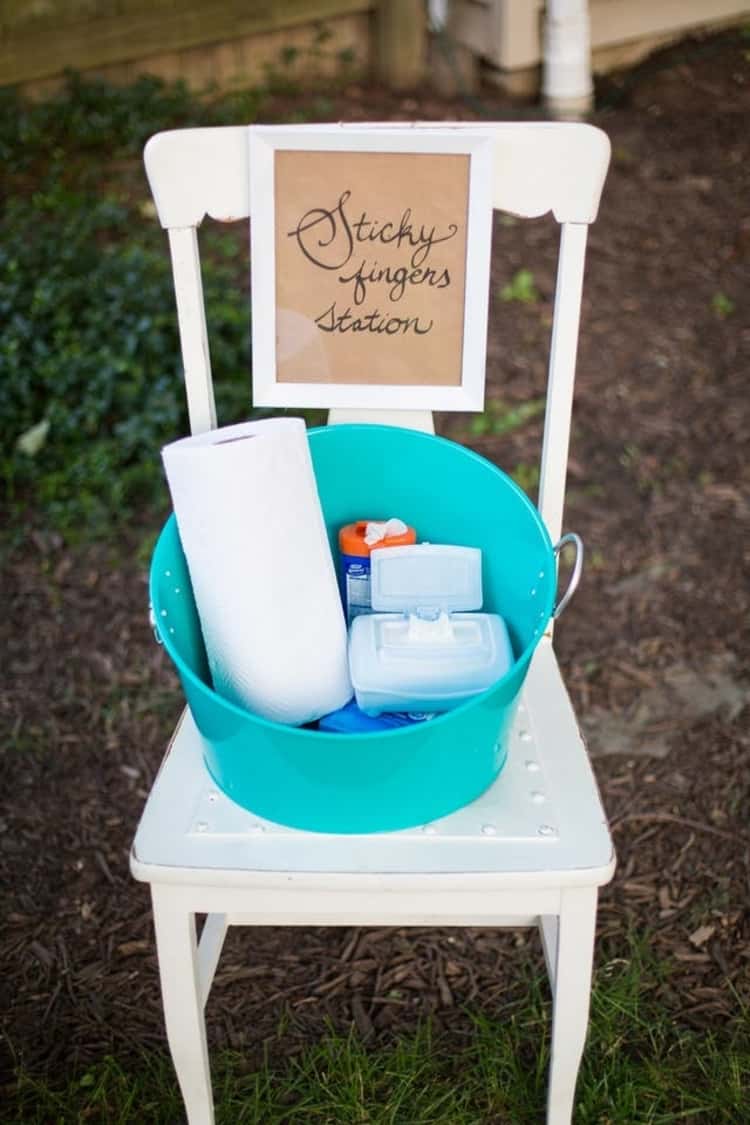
[571, 993]
[182, 997]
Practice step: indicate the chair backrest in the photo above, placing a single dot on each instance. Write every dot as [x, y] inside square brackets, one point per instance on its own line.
[535, 168]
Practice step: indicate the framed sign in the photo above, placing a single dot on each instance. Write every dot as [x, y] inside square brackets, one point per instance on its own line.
[370, 251]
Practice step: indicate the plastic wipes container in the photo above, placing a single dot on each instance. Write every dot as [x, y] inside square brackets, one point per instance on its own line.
[426, 656]
[354, 561]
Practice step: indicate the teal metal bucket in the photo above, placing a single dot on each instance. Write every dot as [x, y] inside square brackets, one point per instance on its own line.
[403, 777]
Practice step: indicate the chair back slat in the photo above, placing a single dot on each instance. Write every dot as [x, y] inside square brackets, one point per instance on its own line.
[539, 167]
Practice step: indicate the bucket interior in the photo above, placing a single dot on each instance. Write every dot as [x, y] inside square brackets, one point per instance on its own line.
[449, 494]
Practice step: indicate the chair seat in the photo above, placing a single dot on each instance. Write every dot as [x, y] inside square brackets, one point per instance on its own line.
[540, 824]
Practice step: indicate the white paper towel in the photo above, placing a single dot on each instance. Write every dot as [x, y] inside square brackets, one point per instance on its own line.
[255, 542]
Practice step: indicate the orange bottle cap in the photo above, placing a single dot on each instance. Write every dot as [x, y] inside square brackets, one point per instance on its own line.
[352, 539]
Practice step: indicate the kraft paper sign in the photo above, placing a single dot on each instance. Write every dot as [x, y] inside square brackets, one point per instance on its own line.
[370, 267]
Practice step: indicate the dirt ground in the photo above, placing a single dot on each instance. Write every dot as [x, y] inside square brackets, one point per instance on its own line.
[655, 646]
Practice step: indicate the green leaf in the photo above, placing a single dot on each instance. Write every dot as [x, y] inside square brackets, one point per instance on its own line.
[521, 288]
[722, 305]
[32, 440]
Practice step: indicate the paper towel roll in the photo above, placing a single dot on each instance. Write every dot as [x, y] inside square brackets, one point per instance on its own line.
[252, 530]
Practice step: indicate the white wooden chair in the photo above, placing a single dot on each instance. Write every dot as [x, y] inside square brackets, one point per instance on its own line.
[533, 850]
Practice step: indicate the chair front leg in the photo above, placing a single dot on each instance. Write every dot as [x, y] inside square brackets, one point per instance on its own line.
[182, 997]
[571, 993]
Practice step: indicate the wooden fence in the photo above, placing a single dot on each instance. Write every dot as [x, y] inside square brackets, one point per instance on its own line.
[208, 43]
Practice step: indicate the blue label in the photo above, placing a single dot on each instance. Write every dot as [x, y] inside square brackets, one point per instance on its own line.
[355, 585]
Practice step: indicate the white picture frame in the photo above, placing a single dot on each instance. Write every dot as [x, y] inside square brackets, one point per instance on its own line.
[467, 392]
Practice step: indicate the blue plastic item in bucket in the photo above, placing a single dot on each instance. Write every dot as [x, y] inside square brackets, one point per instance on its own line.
[403, 777]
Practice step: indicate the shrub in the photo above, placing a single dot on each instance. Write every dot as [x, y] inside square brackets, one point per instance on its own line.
[90, 370]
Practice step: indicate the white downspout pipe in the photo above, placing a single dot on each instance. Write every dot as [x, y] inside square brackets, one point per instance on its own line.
[567, 87]
[437, 15]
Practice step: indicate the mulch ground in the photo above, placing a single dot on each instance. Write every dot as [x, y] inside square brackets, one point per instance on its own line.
[655, 646]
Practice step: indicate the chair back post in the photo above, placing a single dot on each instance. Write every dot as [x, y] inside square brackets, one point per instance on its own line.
[191, 318]
[561, 379]
[193, 173]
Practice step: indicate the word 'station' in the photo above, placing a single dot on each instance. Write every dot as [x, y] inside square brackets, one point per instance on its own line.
[331, 240]
[370, 267]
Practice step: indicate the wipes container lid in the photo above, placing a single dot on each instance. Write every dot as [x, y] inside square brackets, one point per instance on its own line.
[353, 537]
[426, 577]
[422, 651]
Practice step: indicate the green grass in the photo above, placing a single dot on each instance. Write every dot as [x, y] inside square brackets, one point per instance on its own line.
[502, 418]
[641, 1067]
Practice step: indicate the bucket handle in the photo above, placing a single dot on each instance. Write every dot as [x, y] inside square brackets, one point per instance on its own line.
[154, 626]
[575, 576]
